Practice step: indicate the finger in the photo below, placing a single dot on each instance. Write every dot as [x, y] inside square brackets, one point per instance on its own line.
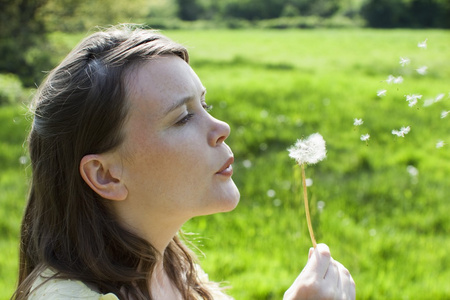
[346, 283]
[319, 261]
[311, 251]
[332, 274]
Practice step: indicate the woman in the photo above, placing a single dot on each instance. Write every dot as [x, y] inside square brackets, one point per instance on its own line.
[123, 153]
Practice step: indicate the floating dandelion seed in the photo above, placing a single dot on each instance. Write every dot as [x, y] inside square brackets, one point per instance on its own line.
[398, 80]
[428, 102]
[444, 113]
[381, 93]
[358, 122]
[390, 79]
[440, 144]
[422, 70]
[365, 137]
[423, 44]
[404, 61]
[412, 102]
[402, 132]
[308, 151]
[412, 99]
[393, 79]
[439, 97]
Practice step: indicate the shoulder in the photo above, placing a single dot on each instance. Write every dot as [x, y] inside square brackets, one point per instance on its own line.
[49, 288]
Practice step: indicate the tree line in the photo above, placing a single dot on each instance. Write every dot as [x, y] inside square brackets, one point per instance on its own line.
[25, 23]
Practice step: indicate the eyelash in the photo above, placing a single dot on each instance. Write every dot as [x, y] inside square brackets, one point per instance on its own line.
[189, 116]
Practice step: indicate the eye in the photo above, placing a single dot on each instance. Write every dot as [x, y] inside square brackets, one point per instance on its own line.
[184, 120]
[207, 107]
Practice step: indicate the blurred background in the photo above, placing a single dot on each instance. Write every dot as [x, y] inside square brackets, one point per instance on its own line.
[276, 71]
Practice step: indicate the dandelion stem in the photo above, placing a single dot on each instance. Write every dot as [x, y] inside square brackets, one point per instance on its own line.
[305, 198]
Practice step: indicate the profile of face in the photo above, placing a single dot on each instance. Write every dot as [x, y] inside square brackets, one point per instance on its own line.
[174, 163]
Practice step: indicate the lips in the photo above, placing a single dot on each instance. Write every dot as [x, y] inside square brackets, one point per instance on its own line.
[226, 169]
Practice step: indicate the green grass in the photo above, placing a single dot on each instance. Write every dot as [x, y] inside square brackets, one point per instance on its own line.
[389, 229]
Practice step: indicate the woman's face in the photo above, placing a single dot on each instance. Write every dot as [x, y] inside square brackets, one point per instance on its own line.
[176, 164]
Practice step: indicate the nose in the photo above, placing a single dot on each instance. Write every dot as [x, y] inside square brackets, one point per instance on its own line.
[218, 133]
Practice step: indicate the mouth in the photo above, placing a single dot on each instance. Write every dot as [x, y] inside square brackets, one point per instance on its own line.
[227, 168]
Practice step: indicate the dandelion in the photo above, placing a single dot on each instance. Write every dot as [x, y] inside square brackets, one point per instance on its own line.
[440, 144]
[402, 132]
[423, 44]
[404, 61]
[422, 70]
[365, 137]
[381, 93]
[309, 182]
[308, 151]
[358, 122]
[444, 113]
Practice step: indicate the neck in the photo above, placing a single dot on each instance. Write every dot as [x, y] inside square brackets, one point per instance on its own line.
[156, 229]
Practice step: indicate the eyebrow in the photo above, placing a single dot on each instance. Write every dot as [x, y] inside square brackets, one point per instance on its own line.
[182, 102]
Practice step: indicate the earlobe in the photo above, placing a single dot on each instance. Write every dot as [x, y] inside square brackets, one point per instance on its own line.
[98, 174]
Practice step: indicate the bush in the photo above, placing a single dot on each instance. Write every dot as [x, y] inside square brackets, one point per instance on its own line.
[11, 89]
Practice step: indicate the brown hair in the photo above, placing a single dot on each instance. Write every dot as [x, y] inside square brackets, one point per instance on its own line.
[78, 110]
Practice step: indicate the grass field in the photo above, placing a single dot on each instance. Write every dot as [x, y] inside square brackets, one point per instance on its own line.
[382, 207]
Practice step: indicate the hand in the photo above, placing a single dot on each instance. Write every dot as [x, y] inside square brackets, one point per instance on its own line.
[322, 278]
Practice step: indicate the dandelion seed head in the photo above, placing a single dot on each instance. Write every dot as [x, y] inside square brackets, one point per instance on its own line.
[422, 70]
[310, 150]
[423, 44]
[404, 61]
[365, 137]
[381, 93]
[358, 122]
[309, 182]
[271, 193]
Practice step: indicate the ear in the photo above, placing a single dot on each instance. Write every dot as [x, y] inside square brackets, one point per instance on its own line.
[103, 177]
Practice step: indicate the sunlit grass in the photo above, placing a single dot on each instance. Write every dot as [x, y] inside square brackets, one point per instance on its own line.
[273, 87]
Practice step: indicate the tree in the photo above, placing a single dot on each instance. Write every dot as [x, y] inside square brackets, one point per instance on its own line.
[21, 33]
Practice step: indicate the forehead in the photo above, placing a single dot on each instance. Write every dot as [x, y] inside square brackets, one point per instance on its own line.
[159, 82]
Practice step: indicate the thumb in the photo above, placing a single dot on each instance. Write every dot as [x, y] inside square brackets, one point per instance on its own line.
[311, 251]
